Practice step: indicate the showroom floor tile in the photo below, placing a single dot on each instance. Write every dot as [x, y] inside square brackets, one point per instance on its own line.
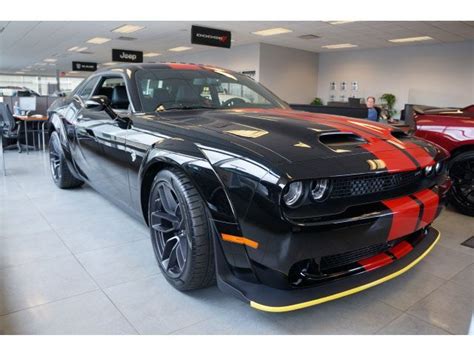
[90, 313]
[71, 262]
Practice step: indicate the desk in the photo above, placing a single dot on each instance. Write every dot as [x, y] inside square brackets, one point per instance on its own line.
[34, 118]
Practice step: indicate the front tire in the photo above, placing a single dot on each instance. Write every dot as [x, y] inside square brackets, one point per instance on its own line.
[60, 172]
[181, 231]
[461, 171]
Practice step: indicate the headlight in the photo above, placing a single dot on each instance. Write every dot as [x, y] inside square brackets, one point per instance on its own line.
[428, 170]
[318, 189]
[294, 193]
[439, 167]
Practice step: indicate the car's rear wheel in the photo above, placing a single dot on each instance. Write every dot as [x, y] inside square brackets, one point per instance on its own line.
[60, 172]
[461, 171]
[181, 231]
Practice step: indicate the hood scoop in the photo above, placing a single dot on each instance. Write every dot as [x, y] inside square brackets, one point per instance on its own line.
[338, 140]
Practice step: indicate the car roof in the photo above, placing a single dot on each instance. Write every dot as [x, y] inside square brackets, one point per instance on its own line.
[162, 65]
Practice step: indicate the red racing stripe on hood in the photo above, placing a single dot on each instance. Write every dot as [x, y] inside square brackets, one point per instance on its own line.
[376, 144]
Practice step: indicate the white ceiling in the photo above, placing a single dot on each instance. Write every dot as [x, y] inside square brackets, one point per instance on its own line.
[24, 44]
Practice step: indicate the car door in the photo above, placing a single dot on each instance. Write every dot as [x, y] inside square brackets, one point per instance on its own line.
[101, 140]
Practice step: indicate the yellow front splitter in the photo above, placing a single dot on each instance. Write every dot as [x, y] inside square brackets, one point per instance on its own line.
[351, 291]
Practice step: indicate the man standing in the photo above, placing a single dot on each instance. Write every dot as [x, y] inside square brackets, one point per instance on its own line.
[373, 112]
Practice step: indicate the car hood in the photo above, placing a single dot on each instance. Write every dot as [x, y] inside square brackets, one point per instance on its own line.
[284, 136]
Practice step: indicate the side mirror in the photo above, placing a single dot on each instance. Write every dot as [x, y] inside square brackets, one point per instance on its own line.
[97, 103]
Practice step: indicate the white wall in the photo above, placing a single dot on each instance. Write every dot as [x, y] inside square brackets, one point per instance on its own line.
[290, 73]
[438, 74]
[238, 58]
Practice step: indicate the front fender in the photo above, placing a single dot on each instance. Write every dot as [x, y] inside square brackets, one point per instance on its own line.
[226, 183]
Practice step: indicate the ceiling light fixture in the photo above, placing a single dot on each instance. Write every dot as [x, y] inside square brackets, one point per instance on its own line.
[109, 63]
[19, 72]
[272, 31]
[151, 54]
[73, 49]
[98, 40]
[342, 45]
[82, 49]
[50, 60]
[410, 39]
[339, 22]
[128, 28]
[179, 49]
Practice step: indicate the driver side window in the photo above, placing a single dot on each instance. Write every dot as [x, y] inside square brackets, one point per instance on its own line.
[115, 90]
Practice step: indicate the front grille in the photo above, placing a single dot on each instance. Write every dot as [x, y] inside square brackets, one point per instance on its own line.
[369, 184]
[334, 261]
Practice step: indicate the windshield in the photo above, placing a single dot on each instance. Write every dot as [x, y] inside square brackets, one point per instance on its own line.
[173, 89]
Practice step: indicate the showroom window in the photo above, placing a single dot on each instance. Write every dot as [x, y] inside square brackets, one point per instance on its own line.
[44, 85]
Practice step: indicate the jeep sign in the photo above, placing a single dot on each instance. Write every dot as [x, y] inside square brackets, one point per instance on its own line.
[123, 55]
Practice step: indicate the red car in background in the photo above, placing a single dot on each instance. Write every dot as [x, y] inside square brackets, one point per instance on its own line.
[452, 129]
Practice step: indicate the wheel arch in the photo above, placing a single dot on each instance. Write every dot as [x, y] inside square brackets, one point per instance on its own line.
[462, 149]
[201, 174]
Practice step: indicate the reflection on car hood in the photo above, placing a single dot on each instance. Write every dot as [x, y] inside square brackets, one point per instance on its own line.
[288, 136]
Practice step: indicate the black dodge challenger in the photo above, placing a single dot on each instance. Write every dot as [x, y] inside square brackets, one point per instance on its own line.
[284, 209]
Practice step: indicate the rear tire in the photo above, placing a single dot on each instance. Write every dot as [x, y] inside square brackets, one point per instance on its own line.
[60, 172]
[461, 171]
[181, 231]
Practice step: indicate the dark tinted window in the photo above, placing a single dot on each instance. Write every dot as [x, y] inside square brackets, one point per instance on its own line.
[114, 88]
[167, 89]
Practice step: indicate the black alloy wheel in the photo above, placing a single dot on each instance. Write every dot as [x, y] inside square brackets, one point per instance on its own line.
[461, 172]
[181, 231]
[55, 162]
[167, 221]
[60, 172]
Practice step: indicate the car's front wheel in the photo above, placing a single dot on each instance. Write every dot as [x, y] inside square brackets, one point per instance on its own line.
[461, 172]
[60, 172]
[181, 231]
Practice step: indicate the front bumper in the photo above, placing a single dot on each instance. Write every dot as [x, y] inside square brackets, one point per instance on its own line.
[271, 299]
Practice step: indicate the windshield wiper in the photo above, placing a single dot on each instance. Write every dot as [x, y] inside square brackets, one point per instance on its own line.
[161, 107]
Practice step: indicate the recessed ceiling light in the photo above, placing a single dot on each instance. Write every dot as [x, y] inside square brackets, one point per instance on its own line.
[50, 60]
[82, 49]
[151, 54]
[19, 72]
[73, 49]
[128, 28]
[337, 46]
[179, 49]
[411, 39]
[98, 40]
[339, 22]
[272, 31]
[109, 63]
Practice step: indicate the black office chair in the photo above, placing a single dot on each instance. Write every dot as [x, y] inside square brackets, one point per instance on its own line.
[10, 129]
